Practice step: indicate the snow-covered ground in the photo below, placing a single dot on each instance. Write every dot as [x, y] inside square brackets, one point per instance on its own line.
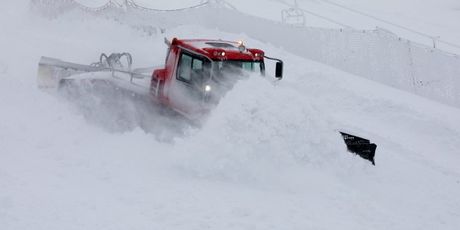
[268, 157]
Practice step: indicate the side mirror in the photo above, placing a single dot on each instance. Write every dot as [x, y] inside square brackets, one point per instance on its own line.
[279, 67]
[279, 70]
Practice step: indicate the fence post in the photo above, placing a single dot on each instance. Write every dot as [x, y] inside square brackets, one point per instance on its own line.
[435, 39]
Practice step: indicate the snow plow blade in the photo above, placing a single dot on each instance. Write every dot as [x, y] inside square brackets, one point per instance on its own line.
[360, 146]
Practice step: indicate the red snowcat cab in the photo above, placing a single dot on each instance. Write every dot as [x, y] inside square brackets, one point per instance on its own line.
[196, 74]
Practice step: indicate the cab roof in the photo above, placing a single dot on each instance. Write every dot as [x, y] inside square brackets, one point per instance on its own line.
[219, 49]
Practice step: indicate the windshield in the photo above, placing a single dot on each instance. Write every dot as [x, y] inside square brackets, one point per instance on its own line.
[229, 71]
[225, 74]
[237, 67]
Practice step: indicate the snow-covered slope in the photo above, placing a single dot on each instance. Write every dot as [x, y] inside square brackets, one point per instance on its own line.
[268, 157]
[437, 18]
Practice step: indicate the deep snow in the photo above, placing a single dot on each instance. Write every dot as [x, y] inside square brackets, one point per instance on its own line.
[268, 157]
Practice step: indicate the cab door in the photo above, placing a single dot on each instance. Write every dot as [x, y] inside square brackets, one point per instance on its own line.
[187, 87]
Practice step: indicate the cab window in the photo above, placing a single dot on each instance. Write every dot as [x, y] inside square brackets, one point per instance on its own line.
[190, 69]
